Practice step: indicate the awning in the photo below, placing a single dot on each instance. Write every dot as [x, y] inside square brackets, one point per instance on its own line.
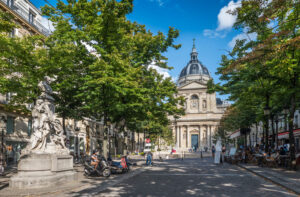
[285, 135]
[235, 134]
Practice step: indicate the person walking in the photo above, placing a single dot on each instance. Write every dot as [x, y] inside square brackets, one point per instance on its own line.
[223, 153]
[149, 159]
[213, 151]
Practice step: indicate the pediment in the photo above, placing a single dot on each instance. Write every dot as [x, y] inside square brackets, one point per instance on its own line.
[192, 85]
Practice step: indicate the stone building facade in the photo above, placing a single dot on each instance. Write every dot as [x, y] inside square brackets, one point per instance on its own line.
[203, 111]
[16, 126]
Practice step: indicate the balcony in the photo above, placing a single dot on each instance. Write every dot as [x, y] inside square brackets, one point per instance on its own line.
[25, 14]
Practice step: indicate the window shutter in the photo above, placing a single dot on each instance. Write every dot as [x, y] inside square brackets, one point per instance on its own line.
[10, 126]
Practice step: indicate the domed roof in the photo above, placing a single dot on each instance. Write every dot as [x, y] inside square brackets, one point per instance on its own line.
[194, 66]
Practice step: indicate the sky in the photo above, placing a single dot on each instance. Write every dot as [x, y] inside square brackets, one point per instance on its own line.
[205, 20]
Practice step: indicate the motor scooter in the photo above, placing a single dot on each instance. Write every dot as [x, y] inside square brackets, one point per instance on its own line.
[103, 168]
[119, 167]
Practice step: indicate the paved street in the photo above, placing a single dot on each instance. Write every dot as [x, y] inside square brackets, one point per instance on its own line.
[193, 177]
[190, 177]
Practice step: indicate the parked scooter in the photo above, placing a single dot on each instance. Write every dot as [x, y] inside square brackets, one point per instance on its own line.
[119, 167]
[103, 168]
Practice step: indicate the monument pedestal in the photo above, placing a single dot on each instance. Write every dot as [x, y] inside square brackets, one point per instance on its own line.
[43, 170]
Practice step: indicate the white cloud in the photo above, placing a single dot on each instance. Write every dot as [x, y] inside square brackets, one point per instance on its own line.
[160, 2]
[160, 70]
[225, 21]
[47, 24]
[214, 34]
[242, 36]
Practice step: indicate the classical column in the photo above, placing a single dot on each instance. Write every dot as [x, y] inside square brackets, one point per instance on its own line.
[210, 142]
[207, 136]
[180, 138]
[199, 138]
[188, 137]
[177, 136]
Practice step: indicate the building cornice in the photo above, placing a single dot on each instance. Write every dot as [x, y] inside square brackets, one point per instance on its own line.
[20, 19]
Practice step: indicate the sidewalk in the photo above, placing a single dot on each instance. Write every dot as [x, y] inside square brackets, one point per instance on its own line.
[288, 179]
[84, 186]
[4, 179]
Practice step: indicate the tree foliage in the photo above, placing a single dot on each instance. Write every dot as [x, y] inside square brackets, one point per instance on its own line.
[266, 68]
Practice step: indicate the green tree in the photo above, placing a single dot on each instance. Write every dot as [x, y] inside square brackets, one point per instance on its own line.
[270, 63]
[118, 84]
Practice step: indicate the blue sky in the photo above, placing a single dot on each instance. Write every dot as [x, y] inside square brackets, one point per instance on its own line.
[205, 20]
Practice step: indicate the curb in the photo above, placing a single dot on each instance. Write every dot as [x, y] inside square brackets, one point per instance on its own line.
[270, 180]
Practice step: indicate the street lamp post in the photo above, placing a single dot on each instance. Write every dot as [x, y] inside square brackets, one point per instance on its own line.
[76, 145]
[267, 112]
[253, 135]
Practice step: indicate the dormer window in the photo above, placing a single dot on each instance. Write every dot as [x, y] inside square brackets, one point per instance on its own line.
[194, 69]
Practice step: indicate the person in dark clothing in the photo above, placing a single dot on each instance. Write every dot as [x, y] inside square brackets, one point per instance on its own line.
[282, 151]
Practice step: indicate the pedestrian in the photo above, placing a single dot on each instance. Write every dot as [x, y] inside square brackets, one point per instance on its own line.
[213, 151]
[149, 159]
[223, 153]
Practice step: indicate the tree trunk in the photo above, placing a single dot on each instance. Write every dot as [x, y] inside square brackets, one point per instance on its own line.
[273, 130]
[139, 146]
[256, 126]
[277, 134]
[267, 124]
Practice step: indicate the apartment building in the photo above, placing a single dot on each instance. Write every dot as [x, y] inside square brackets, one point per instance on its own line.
[16, 126]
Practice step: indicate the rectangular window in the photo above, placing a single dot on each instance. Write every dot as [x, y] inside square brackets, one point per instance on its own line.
[12, 33]
[10, 3]
[31, 17]
[29, 127]
[10, 125]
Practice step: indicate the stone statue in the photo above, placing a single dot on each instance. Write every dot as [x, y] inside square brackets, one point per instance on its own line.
[218, 151]
[47, 134]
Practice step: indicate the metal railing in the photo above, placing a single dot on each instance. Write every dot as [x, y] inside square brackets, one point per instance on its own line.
[25, 15]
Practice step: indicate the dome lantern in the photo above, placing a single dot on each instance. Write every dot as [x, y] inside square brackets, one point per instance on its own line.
[195, 70]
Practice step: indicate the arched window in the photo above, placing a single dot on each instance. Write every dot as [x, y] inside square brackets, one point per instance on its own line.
[194, 102]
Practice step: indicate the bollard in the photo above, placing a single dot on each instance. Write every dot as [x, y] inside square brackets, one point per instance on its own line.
[201, 154]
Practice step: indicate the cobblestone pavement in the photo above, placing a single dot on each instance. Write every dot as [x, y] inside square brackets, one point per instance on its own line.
[195, 177]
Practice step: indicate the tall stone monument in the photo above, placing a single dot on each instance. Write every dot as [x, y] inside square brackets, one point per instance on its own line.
[46, 161]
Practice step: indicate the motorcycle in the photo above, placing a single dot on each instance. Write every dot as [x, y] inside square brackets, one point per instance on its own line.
[103, 168]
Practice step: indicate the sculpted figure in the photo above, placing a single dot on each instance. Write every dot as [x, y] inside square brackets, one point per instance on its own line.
[46, 129]
[57, 136]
